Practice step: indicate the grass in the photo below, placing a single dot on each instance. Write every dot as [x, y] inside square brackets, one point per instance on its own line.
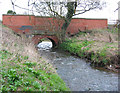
[100, 47]
[22, 69]
[76, 48]
[20, 74]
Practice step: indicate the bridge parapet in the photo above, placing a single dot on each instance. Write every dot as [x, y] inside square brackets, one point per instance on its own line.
[49, 27]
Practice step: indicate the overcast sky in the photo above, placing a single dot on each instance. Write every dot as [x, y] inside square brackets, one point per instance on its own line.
[106, 12]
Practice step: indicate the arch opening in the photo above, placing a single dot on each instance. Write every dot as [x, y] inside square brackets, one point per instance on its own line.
[53, 42]
[46, 44]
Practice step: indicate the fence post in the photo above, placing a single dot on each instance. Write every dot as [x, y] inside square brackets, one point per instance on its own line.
[119, 38]
[119, 15]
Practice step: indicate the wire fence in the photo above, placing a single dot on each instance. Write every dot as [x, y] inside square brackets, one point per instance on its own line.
[112, 22]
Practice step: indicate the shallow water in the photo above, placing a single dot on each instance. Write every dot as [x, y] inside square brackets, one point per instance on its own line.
[77, 73]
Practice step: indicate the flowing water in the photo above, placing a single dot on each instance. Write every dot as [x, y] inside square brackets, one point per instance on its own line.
[77, 73]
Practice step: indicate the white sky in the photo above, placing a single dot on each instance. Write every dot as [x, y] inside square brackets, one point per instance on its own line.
[106, 12]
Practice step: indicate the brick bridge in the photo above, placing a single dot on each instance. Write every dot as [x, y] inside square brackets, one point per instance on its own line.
[46, 27]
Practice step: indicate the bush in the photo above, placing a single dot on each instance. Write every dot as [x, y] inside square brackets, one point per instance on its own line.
[11, 12]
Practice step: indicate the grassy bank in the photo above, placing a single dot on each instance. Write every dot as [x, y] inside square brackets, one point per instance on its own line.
[100, 47]
[22, 69]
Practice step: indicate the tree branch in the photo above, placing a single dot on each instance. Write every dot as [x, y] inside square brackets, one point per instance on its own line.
[48, 3]
[85, 11]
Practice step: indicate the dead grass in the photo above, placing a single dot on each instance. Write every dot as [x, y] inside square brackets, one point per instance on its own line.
[101, 36]
[104, 40]
[17, 44]
[20, 45]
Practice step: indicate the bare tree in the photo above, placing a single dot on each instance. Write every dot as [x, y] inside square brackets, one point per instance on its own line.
[63, 9]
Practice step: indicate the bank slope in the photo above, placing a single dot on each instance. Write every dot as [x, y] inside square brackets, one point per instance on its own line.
[22, 69]
[100, 47]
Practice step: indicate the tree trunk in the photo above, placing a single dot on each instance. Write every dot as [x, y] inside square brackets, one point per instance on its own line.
[71, 10]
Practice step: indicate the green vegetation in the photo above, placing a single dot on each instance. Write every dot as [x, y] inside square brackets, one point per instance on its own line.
[11, 12]
[20, 74]
[22, 68]
[94, 46]
[76, 48]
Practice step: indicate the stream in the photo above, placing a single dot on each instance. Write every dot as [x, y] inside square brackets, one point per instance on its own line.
[76, 72]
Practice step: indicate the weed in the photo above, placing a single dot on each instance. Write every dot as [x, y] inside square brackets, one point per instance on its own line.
[18, 57]
[26, 57]
[75, 48]
[26, 83]
[114, 30]
[30, 64]
[36, 85]
[12, 76]
[15, 45]
[28, 89]
[23, 75]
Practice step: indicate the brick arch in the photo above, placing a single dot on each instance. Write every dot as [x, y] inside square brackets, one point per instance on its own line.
[36, 39]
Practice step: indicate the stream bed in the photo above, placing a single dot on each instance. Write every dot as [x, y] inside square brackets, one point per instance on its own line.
[76, 72]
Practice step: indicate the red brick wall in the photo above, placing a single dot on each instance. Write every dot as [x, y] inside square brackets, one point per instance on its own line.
[75, 25]
[96, 24]
[15, 22]
[47, 23]
[86, 24]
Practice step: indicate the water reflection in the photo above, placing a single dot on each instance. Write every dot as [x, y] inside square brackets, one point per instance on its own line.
[45, 45]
